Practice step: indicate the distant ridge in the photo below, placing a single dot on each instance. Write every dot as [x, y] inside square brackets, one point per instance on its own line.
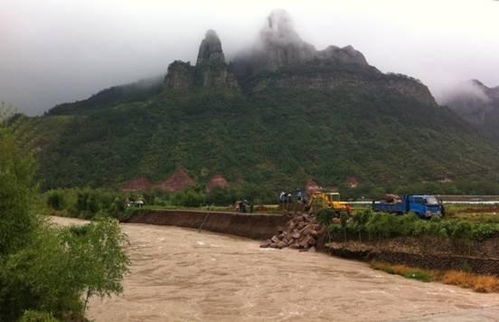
[273, 117]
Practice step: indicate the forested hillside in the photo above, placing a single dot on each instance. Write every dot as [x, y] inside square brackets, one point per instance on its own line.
[273, 118]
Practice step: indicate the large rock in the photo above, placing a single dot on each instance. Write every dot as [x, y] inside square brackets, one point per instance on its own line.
[210, 71]
[304, 238]
[210, 50]
[180, 75]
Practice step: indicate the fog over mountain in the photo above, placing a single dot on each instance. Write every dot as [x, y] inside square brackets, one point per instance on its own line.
[476, 103]
[58, 51]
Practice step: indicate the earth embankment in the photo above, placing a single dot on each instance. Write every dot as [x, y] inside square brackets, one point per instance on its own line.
[255, 225]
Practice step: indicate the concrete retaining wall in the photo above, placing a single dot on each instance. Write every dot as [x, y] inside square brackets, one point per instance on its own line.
[256, 226]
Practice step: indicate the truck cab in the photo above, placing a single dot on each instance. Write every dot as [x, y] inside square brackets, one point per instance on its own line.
[425, 206]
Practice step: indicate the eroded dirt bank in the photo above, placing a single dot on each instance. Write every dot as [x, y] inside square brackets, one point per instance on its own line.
[426, 251]
[179, 274]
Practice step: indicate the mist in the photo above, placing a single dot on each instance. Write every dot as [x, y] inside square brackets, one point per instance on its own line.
[59, 51]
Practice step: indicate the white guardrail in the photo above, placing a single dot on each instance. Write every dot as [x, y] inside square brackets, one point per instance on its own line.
[461, 202]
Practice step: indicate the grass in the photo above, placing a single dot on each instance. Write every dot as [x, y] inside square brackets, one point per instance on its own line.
[406, 271]
[476, 282]
[479, 283]
[257, 208]
[474, 213]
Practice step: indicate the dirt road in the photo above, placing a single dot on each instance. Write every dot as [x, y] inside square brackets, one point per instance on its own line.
[183, 275]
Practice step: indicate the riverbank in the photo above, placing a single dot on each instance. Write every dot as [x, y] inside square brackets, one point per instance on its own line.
[428, 252]
[180, 274]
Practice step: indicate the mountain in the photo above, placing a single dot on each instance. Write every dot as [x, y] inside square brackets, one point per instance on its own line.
[478, 105]
[275, 116]
[137, 91]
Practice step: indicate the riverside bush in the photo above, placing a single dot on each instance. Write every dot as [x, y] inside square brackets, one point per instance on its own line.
[86, 203]
[383, 225]
[45, 271]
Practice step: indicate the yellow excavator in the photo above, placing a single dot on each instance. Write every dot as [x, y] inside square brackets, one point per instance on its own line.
[329, 200]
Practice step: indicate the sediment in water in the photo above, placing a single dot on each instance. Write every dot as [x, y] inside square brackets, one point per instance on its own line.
[427, 252]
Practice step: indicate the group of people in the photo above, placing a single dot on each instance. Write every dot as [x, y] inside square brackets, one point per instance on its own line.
[139, 203]
[297, 196]
[243, 206]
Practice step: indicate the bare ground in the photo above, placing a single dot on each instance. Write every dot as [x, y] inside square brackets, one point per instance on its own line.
[179, 274]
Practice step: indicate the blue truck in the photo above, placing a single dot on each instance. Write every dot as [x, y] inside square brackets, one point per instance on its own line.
[425, 206]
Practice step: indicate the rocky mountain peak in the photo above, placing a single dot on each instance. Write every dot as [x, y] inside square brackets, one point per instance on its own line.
[180, 75]
[279, 30]
[210, 50]
[476, 82]
[210, 70]
[280, 45]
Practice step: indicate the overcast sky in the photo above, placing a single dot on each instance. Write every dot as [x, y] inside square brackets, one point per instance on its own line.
[54, 51]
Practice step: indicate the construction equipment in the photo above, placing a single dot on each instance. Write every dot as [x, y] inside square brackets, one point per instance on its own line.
[330, 200]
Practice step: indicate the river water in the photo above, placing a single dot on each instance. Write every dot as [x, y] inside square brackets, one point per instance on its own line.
[184, 275]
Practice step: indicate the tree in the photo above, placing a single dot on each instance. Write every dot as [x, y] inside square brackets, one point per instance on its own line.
[45, 270]
[17, 191]
[97, 250]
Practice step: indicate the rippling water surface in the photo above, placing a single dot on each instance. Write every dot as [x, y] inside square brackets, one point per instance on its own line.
[183, 275]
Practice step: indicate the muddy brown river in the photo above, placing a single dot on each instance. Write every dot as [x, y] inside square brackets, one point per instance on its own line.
[181, 274]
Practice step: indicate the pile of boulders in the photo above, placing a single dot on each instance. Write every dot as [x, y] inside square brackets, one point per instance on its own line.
[301, 232]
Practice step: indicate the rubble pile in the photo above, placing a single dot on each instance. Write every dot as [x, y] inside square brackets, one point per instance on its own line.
[301, 232]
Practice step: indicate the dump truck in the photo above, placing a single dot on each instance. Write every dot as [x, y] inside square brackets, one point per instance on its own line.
[425, 206]
[330, 200]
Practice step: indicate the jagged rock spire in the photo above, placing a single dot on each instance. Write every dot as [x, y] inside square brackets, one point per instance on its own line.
[210, 71]
[210, 50]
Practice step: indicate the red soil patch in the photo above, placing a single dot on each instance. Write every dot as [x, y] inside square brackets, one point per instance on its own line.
[311, 187]
[179, 180]
[140, 183]
[217, 181]
[352, 182]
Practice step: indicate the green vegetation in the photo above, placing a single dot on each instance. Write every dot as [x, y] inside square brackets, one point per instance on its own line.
[47, 273]
[408, 272]
[87, 203]
[368, 225]
[274, 137]
[477, 213]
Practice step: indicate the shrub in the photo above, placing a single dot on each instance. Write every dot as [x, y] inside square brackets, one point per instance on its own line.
[59, 266]
[325, 216]
[382, 225]
[36, 316]
[17, 192]
[55, 200]
[45, 269]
